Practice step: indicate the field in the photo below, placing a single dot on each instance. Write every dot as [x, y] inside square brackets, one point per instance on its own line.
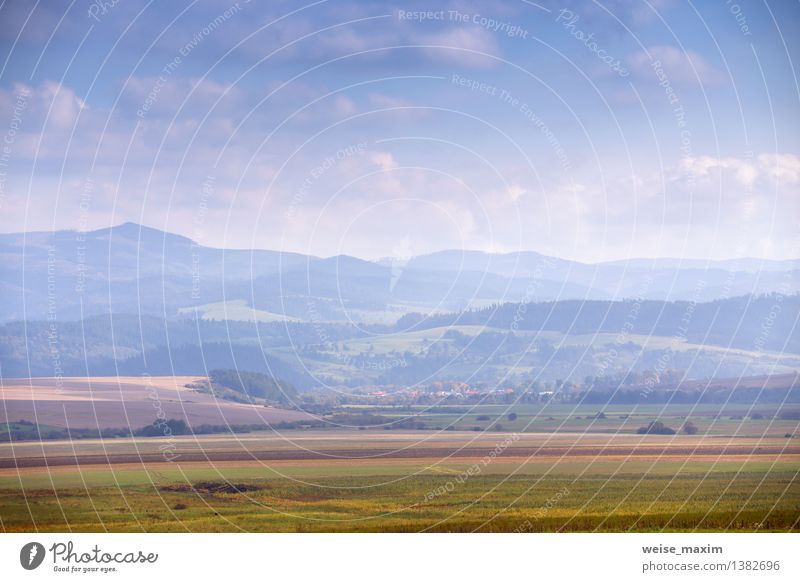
[236, 310]
[710, 419]
[489, 467]
[124, 402]
[403, 481]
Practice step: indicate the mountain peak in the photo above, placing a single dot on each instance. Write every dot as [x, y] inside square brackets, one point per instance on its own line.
[134, 231]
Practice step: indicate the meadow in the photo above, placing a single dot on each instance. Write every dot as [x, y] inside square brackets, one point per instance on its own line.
[411, 481]
[710, 419]
[545, 466]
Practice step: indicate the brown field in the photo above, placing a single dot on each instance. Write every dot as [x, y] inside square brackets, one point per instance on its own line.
[124, 402]
[351, 446]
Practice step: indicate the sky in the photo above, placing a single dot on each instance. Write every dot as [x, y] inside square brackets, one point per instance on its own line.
[586, 130]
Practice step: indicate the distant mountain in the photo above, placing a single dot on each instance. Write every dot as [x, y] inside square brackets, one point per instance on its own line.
[136, 269]
[124, 269]
[510, 342]
[668, 279]
[745, 322]
[745, 264]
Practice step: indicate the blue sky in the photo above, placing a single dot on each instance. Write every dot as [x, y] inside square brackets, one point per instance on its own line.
[585, 130]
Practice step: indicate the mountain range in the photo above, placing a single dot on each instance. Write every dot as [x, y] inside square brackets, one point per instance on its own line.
[130, 268]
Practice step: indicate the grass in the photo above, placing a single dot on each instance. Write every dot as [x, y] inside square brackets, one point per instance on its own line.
[710, 419]
[234, 310]
[739, 494]
[589, 488]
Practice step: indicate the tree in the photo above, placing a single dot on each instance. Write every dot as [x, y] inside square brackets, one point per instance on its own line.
[690, 428]
[655, 427]
[512, 416]
[254, 384]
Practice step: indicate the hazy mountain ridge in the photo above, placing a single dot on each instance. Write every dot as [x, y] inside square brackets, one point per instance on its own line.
[565, 339]
[135, 269]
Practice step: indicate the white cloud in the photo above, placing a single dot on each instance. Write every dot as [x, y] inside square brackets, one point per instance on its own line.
[344, 106]
[686, 67]
[713, 207]
[697, 205]
[461, 45]
[384, 160]
[165, 96]
[515, 192]
[780, 168]
[49, 103]
[783, 168]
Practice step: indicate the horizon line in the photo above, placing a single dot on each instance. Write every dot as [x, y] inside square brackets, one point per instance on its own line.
[141, 226]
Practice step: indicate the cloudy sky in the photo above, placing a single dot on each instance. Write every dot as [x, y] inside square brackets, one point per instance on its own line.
[587, 130]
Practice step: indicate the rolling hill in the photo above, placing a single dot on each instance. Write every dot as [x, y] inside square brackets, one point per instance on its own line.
[131, 268]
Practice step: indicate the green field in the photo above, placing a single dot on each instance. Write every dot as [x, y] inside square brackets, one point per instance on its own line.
[609, 497]
[488, 467]
[234, 310]
[685, 484]
[710, 419]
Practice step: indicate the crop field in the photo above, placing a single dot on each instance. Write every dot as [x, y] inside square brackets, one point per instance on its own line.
[710, 419]
[484, 467]
[124, 401]
[403, 481]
